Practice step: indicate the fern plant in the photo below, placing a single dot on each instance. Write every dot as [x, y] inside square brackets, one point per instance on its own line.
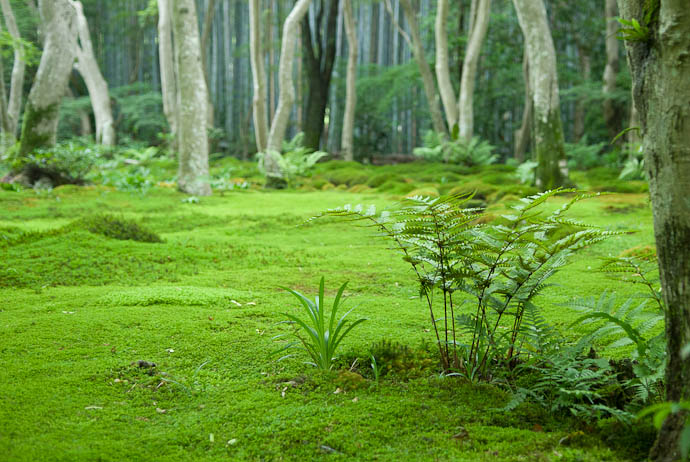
[477, 280]
[456, 150]
[296, 160]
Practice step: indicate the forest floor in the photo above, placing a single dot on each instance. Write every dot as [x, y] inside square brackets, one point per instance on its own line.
[79, 309]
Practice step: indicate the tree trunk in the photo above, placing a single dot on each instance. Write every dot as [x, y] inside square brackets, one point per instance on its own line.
[205, 36]
[469, 69]
[286, 97]
[661, 91]
[580, 112]
[258, 76]
[14, 103]
[613, 113]
[98, 88]
[546, 121]
[424, 69]
[318, 64]
[39, 128]
[192, 102]
[522, 135]
[347, 144]
[445, 86]
[167, 68]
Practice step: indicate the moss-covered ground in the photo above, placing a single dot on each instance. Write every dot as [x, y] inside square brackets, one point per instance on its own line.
[79, 309]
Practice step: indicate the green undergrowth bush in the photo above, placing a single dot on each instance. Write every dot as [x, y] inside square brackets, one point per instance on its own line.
[439, 147]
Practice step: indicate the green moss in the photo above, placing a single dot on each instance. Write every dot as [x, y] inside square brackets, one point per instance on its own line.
[117, 228]
[347, 176]
[34, 135]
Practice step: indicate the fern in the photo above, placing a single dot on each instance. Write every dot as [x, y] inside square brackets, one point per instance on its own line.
[491, 272]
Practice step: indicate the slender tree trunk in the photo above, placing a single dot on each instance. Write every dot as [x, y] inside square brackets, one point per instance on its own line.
[87, 66]
[547, 124]
[347, 144]
[258, 77]
[427, 77]
[522, 135]
[661, 89]
[613, 113]
[40, 122]
[192, 101]
[167, 67]
[469, 69]
[580, 109]
[205, 37]
[445, 86]
[14, 103]
[286, 97]
[318, 63]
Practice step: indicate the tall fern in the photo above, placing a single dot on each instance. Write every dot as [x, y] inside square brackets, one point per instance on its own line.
[488, 273]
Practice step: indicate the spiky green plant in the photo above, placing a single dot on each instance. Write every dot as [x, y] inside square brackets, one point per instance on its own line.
[320, 334]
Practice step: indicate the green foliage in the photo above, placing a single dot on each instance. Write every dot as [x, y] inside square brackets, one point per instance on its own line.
[633, 169]
[65, 163]
[526, 172]
[389, 357]
[8, 44]
[455, 150]
[583, 156]
[320, 335]
[139, 111]
[296, 160]
[499, 268]
[118, 228]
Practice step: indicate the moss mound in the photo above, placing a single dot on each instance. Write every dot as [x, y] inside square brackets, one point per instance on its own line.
[117, 228]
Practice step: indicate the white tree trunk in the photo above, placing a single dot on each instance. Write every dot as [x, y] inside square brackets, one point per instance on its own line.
[611, 112]
[258, 76]
[14, 103]
[39, 127]
[98, 88]
[192, 102]
[445, 86]
[167, 66]
[427, 77]
[547, 124]
[351, 92]
[469, 69]
[286, 96]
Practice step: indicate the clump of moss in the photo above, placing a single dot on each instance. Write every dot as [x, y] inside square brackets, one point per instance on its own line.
[117, 228]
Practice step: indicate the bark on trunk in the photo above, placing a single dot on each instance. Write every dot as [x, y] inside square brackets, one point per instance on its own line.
[424, 69]
[318, 64]
[580, 110]
[661, 91]
[192, 102]
[167, 67]
[522, 135]
[286, 96]
[205, 36]
[258, 77]
[613, 113]
[445, 86]
[87, 66]
[547, 124]
[469, 69]
[40, 122]
[14, 103]
[347, 144]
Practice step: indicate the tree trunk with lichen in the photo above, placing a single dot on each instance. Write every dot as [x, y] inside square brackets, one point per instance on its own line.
[346, 144]
[39, 128]
[286, 96]
[14, 103]
[428, 81]
[660, 67]
[192, 101]
[469, 69]
[613, 112]
[546, 120]
[87, 66]
[258, 76]
[167, 68]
